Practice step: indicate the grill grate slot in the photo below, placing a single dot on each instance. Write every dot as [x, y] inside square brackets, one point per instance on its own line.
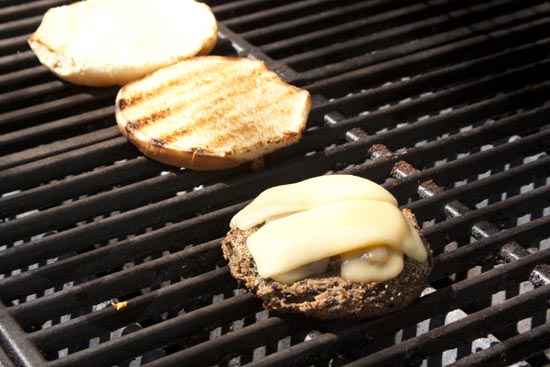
[455, 296]
[318, 20]
[426, 21]
[279, 13]
[443, 102]
[475, 191]
[479, 323]
[141, 308]
[29, 9]
[23, 77]
[29, 116]
[419, 62]
[19, 27]
[516, 348]
[44, 170]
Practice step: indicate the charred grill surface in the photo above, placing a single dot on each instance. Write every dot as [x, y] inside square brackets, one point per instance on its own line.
[443, 102]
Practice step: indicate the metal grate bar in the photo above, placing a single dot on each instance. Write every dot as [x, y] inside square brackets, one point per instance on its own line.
[139, 308]
[433, 104]
[11, 80]
[488, 248]
[48, 131]
[5, 360]
[430, 127]
[44, 170]
[19, 26]
[119, 199]
[416, 28]
[517, 205]
[308, 22]
[468, 139]
[117, 253]
[17, 61]
[441, 41]
[448, 171]
[475, 325]
[427, 60]
[436, 79]
[113, 285]
[88, 263]
[511, 350]
[58, 147]
[481, 161]
[488, 133]
[227, 10]
[260, 333]
[12, 337]
[26, 116]
[163, 333]
[474, 191]
[249, 21]
[314, 39]
[13, 44]
[24, 10]
[444, 300]
[31, 92]
[100, 179]
[81, 237]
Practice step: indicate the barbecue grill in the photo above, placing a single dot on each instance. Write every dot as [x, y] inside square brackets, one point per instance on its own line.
[443, 102]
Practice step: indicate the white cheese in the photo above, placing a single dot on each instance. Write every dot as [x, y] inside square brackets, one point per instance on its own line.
[282, 200]
[332, 229]
[374, 264]
[302, 272]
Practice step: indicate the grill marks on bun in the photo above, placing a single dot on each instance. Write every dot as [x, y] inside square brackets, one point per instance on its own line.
[211, 112]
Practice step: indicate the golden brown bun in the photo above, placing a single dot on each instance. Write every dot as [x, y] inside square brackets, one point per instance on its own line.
[106, 42]
[211, 112]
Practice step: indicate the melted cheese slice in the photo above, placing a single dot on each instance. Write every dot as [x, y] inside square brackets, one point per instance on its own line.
[317, 267]
[375, 264]
[283, 200]
[332, 229]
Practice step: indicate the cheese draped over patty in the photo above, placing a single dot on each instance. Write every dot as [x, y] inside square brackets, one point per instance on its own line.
[308, 222]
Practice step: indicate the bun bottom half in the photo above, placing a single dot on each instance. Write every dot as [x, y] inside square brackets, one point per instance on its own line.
[328, 295]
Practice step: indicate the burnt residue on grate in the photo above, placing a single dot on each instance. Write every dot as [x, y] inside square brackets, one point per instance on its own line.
[443, 102]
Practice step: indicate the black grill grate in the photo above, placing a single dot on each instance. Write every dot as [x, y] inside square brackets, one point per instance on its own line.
[443, 102]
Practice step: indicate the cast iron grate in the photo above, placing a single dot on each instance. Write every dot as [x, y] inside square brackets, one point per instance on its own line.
[443, 102]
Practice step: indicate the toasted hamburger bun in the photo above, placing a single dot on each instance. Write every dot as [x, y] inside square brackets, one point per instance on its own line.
[328, 295]
[211, 112]
[107, 42]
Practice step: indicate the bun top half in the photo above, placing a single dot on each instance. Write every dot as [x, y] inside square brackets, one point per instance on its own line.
[107, 42]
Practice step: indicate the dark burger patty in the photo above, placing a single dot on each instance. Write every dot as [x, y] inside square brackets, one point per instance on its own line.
[327, 295]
